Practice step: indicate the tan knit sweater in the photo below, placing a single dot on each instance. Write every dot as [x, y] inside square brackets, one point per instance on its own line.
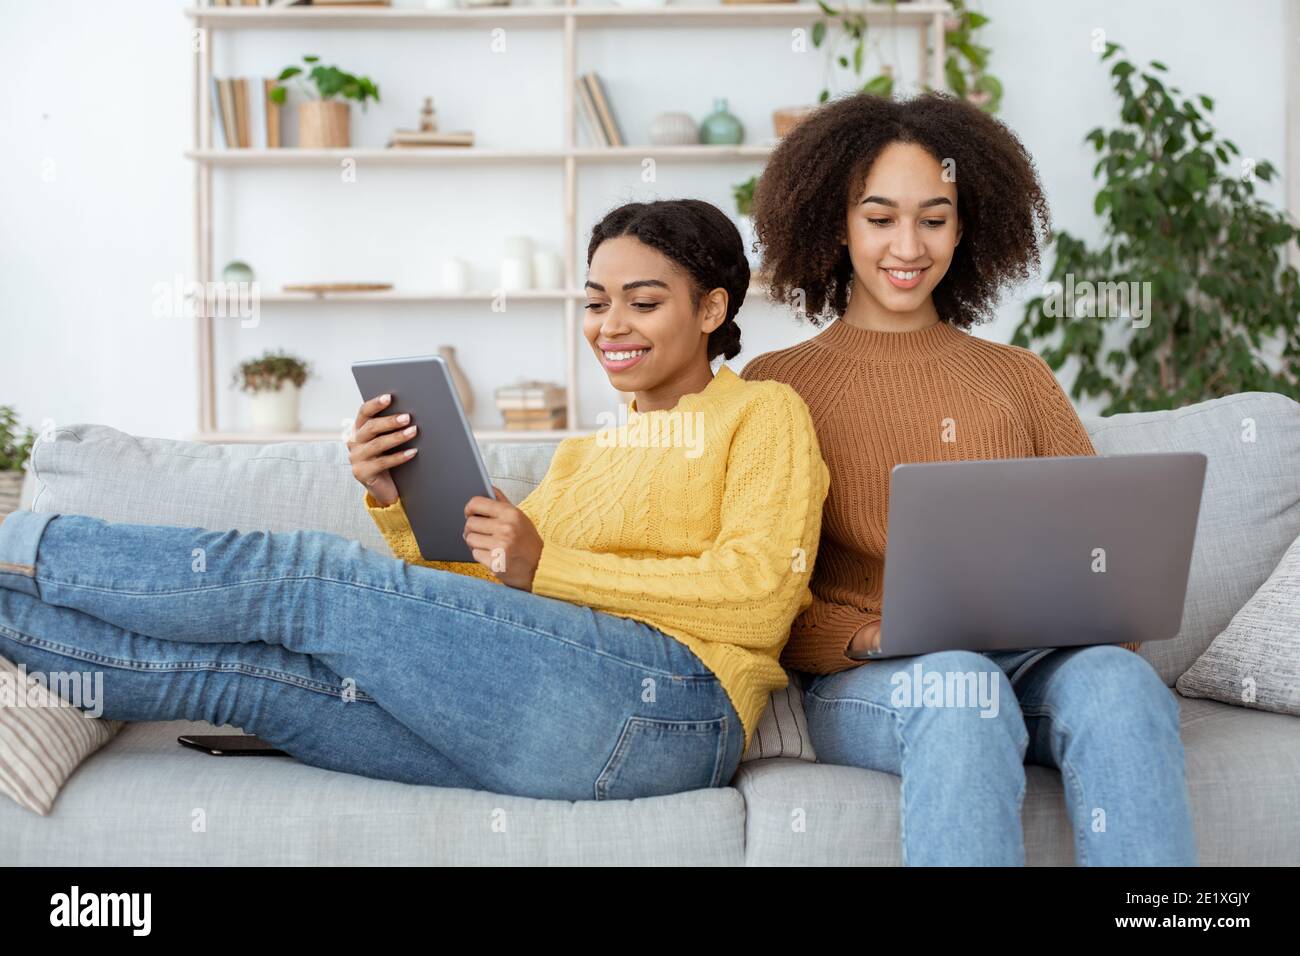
[882, 398]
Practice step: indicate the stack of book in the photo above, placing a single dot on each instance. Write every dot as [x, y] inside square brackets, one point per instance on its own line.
[532, 406]
[243, 113]
[601, 124]
[417, 138]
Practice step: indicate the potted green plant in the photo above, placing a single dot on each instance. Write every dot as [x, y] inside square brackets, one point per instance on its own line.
[743, 194]
[324, 118]
[15, 450]
[274, 381]
[1188, 291]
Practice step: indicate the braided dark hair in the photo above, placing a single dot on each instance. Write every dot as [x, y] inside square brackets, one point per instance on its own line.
[698, 237]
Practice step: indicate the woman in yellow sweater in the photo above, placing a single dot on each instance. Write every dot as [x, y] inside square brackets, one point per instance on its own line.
[901, 221]
[624, 642]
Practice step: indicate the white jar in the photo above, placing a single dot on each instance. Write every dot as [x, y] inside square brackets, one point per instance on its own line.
[548, 270]
[453, 275]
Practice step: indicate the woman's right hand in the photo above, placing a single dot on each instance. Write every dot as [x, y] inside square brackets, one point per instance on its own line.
[370, 449]
[866, 639]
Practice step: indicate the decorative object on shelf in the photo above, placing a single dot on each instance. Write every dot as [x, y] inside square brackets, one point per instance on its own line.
[323, 122]
[720, 127]
[15, 449]
[532, 406]
[453, 275]
[517, 264]
[602, 126]
[1171, 189]
[244, 115]
[485, 3]
[428, 134]
[274, 381]
[419, 139]
[674, 129]
[548, 270]
[458, 378]
[236, 271]
[640, 4]
[787, 118]
[323, 288]
[440, 4]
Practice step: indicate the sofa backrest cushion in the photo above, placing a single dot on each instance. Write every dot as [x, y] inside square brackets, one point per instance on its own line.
[1250, 508]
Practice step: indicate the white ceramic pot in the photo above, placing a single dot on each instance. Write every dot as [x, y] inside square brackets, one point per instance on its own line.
[276, 411]
[674, 129]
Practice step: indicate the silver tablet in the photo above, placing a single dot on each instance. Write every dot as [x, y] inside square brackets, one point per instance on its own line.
[436, 484]
[1038, 552]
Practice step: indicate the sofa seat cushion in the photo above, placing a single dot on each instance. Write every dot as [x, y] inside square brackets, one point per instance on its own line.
[1242, 768]
[141, 799]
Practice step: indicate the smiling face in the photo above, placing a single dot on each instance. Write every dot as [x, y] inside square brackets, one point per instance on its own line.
[643, 324]
[902, 232]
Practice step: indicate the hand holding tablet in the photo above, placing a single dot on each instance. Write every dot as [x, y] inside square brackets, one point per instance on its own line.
[455, 512]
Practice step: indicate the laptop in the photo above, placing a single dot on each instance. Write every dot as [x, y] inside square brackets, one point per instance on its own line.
[1038, 552]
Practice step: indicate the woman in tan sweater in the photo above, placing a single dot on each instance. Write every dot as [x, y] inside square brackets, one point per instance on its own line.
[902, 221]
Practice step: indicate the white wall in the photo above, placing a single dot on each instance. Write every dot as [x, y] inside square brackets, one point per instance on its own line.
[96, 203]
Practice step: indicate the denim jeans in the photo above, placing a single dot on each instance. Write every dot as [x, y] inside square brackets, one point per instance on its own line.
[354, 661]
[1100, 714]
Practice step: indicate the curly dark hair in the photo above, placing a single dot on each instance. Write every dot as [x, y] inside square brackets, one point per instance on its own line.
[698, 237]
[801, 199]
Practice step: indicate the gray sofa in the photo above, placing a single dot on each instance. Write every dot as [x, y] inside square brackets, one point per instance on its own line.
[132, 802]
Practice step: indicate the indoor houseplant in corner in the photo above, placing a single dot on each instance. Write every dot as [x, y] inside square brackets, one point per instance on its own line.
[323, 119]
[15, 449]
[1188, 296]
[274, 381]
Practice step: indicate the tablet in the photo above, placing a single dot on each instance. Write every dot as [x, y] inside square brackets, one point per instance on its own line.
[436, 484]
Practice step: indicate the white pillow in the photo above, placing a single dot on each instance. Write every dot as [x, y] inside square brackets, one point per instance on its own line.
[782, 731]
[1255, 662]
[43, 739]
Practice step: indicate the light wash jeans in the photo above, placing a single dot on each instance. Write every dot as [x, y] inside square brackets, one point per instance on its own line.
[1100, 714]
[459, 682]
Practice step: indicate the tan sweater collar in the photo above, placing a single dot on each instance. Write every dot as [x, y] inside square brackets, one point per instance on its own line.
[929, 342]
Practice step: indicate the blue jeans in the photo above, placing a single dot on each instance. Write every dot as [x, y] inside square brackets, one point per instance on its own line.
[354, 661]
[1100, 714]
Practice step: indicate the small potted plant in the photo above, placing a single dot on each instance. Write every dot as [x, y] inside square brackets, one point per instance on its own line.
[323, 120]
[743, 194]
[15, 449]
[274, 381]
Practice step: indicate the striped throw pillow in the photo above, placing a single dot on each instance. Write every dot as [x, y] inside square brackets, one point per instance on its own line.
[782, 731]
[42, 739]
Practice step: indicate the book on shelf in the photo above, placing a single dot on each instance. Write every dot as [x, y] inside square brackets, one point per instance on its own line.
[530, 396]
[414, 138]
[542, 420]
[244, 114]
[595, 131]
[608, 122]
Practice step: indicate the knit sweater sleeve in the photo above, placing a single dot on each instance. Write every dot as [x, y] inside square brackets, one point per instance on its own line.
[819, 639]
[395, 526]
[1055, 425]
[755, 572]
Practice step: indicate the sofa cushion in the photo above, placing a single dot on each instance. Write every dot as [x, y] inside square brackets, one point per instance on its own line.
[1242, 768]
[146, 800]
[1255, 662]
[43, 737]
[1250, 509]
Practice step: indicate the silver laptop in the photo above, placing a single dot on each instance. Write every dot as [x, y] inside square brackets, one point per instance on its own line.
[1038, 552]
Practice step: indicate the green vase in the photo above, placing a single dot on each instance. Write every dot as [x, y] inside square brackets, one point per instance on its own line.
[720, 127]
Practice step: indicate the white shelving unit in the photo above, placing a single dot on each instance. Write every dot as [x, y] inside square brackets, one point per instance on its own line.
[925, 17]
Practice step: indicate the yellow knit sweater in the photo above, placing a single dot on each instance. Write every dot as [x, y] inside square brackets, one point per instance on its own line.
[711, 537]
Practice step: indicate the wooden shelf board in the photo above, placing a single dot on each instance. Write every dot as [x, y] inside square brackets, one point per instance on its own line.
[696, 15]
[293, 156]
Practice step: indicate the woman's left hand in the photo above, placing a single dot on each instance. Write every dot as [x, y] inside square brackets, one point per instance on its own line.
[503, 540]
